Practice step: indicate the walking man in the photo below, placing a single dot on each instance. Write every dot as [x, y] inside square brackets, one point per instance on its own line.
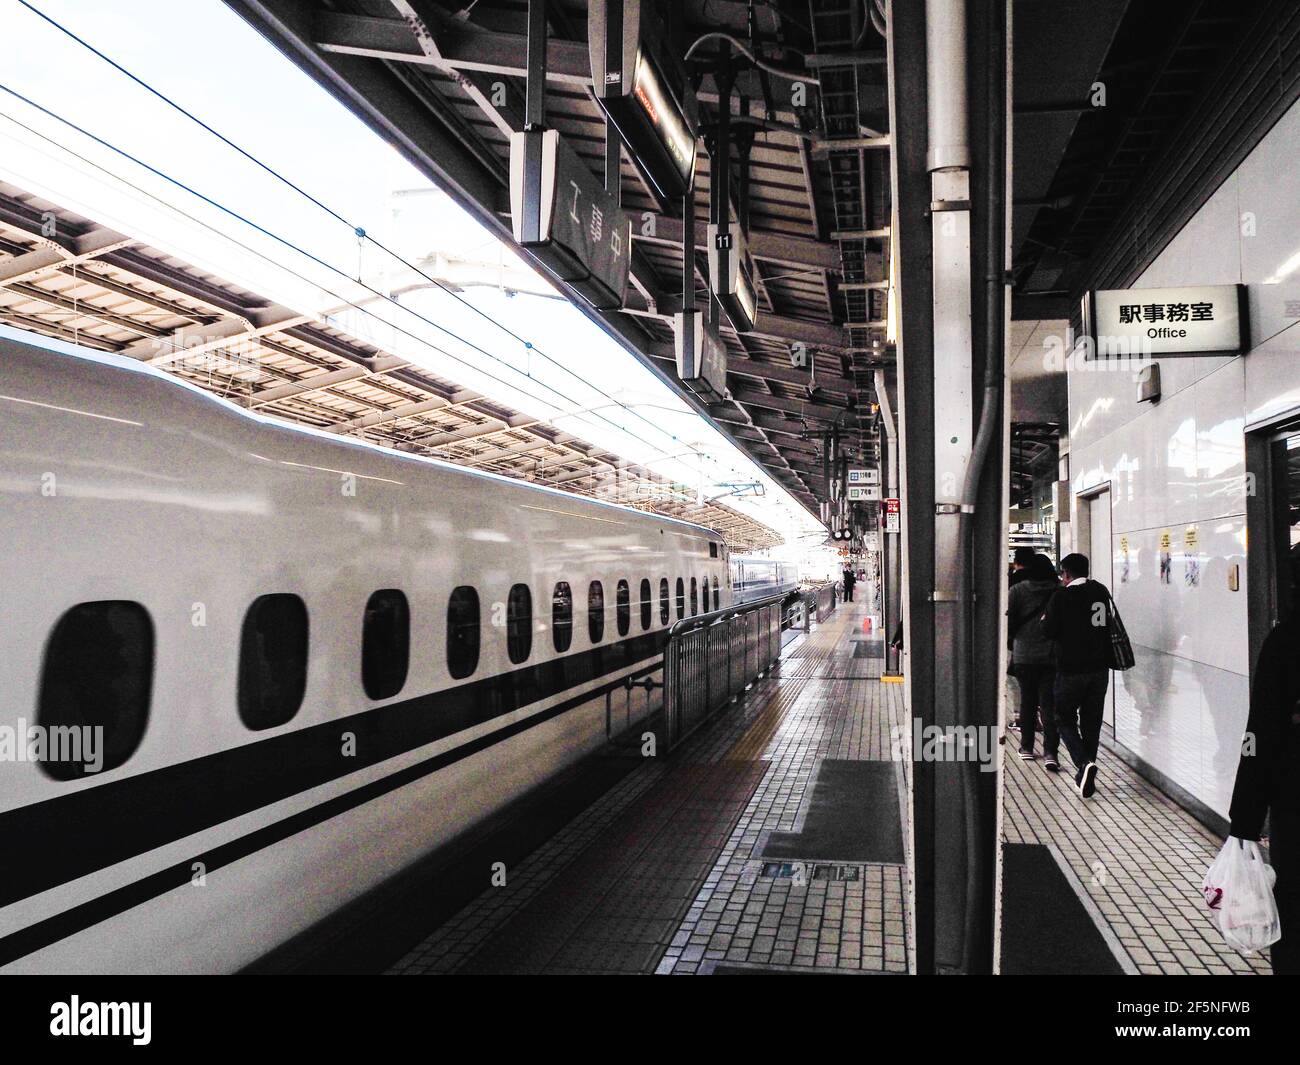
[1076, 619]
[849, 581]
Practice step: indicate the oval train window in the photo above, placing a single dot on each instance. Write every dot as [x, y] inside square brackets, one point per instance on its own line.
[647, 605]
[596, 611]
[663, 601]
[681, 599]
[519, 623]
[562, 616]
[623, 607]
[97, 675]
[385, 644]
[463, 632]
[272, 660]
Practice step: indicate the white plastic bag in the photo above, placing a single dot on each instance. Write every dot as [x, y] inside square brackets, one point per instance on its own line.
[1238, 889]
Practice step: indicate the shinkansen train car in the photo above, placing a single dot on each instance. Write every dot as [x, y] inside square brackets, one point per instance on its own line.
[249, 671]
[755, 578]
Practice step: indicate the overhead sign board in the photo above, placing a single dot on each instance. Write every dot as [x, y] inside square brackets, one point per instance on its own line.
[701, 355]
[862, 492]
[729, 276]
[1167, 322]
[641, 85]
[560, 212]
[863, 476]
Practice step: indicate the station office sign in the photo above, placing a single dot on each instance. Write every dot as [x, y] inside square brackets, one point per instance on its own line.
[1167, 322]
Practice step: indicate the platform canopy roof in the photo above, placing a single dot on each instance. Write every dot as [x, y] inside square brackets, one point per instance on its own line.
[62, 275]
[809, 175]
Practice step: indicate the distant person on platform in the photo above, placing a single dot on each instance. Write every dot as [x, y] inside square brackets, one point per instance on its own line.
[849, 581]
[1077, 619]
[1032, 658]
[1268, 774]
[1020, 563]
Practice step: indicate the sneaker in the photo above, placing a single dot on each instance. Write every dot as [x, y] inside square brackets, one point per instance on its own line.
[1088, 780]
[1028, 756]
[1051, 764]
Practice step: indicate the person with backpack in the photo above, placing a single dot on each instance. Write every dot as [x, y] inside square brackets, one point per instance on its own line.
[1078, 619]
[1032, 658]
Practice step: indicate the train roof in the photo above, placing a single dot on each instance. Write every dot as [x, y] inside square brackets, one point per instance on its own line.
[62, 348]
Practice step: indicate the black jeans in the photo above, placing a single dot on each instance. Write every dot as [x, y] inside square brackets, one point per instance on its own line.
[848, 593]
[1080, 703]
[1037, 692]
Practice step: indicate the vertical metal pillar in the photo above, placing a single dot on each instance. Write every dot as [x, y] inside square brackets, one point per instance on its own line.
[890, 555]
[950, 213]
[910, 232]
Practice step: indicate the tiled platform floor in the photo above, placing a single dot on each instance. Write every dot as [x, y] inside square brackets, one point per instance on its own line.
[1139, 856]
[662, 872]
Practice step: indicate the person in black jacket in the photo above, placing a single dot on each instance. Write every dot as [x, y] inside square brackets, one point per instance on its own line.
[1077, 619]
[1268, 773]
[1020, 563]
[850, 579]
[1031, 658]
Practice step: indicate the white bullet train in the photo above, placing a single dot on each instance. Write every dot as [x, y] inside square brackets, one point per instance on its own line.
[313, 661]
[757, 578]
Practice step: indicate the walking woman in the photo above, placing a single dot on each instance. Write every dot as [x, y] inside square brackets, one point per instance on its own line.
[1032, 656]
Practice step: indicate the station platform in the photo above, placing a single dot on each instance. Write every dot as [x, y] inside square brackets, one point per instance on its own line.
[745, 850]
[1134, 861]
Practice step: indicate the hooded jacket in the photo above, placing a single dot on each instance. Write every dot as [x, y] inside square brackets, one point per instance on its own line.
[1025, 604]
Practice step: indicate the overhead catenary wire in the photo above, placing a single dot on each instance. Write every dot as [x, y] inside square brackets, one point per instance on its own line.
[361, 233]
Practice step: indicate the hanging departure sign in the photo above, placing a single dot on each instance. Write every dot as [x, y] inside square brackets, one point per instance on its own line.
[701, 355]
[643, 89]
[578, 230]
[1167, 322]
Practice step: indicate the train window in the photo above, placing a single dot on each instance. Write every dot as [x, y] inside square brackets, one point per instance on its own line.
[713, 549]
[623, 607]
[98, 673]
[681, 599]
[562, 616]
[463, 631]
[695, 598]
[717, 599]
[519, 623]
[663, 600]
[272, 660]
[596, 611]
[647, 605]
[385, 643]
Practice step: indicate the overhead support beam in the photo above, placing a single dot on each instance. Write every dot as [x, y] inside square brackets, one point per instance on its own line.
[57, 255]
[193, 340]
[459, 46]
[763, 244]
[754, 398]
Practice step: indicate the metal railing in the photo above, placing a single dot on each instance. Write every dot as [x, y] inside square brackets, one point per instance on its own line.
[710, 659]
[819, 604]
